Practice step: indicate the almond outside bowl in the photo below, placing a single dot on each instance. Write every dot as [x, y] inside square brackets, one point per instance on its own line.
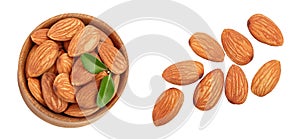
[44, 113]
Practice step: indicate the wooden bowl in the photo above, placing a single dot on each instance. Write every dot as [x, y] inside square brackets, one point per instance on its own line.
[44, 113]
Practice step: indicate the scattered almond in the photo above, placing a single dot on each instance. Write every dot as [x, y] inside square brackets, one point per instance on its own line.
[236, 86]
[209, 90]
[237, 47]
[206, 47]
[266, 78]
[167, 106]
[183, 73]
[265, 30]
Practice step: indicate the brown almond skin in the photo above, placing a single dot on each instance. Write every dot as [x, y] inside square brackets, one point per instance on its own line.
[99, 77]
[237, 47]
[29, 58]
[64, 63]
[116, 79]
[209, 90]
[87, 95]
[65, 29]
[63, 88]
[39, 36]
[112, 57]
[43, 58]
[167, 106]
[266, 78]
[84, 41]
[206, 47]
[75, 111]
[53, 102]
[265, 30]
[183, 73]
[53, 69]
[35, 89]
[79, 75]
[236, 85]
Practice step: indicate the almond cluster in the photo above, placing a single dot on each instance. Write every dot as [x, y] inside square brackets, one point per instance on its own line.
[56, 76]
[208, 91]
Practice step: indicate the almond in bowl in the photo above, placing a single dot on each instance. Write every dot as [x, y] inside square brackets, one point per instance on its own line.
[72, 69]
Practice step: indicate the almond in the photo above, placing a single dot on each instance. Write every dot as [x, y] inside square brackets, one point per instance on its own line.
[266, 78]
[64, 63]
[79, 75]
[39, 36]
[53, 102]
[65, 29]
[116, 79]
[29, 58]
[35, 89]
[206, 47]
[237, 47]
[236, 86]
[75, 111]
[99, 77]
[53, 69]
[167, 106]
[84, 41]
[183, 73]
[265, 30]
[87, 95]
[43, 58]
[112, 57]
[208, 91]
[63, 88]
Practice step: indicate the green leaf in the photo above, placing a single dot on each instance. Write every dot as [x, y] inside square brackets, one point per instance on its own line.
[92, 64]
[106, 91]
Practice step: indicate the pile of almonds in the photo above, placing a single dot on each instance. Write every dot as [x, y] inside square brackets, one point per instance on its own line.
[208, 91]
[56, 76]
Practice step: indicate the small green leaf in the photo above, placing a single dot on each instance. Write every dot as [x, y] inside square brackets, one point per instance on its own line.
[92, 64]
[106, 91]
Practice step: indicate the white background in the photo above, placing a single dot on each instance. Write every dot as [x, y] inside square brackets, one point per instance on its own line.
[274, 116]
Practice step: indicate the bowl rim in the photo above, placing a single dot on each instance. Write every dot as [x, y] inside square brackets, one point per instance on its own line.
[46, 114]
